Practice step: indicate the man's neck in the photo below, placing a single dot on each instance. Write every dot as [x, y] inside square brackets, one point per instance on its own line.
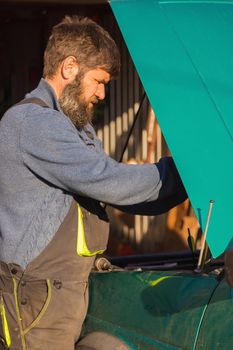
[57, 85]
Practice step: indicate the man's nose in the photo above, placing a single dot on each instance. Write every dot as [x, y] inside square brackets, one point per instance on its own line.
[100, 92]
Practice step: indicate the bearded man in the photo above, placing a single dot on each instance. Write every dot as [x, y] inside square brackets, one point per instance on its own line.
[54, 178]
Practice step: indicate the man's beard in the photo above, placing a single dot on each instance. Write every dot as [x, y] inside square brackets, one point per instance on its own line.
[73, 104]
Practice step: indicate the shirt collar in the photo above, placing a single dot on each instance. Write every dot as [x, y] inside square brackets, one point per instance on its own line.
[45, 92]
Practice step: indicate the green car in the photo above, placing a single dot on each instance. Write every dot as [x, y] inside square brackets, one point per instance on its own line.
[183, 53]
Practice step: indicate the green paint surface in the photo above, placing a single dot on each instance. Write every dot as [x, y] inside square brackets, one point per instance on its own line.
[183, 53]
[216, 331]
[149, 310]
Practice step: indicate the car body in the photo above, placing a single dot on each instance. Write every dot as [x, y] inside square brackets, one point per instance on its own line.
[183, 53]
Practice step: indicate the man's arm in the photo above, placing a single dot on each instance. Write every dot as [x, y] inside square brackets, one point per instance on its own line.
[52, 149]
[171, 194]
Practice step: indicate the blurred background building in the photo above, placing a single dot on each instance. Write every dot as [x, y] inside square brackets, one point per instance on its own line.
[24, 30]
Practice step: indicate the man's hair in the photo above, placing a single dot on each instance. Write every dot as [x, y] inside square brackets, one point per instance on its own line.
[88, 42]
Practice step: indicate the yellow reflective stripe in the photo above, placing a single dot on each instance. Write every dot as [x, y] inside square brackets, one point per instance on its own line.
[5, 324]
[18, 314]
[82, 248]
[159, 280]
[26, 330]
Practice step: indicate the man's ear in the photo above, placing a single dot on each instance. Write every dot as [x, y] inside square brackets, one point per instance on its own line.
[69, 68]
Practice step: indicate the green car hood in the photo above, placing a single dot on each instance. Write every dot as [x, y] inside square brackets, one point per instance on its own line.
[183, 53]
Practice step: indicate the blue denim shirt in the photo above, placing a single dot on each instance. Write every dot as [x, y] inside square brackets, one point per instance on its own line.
[44, 161]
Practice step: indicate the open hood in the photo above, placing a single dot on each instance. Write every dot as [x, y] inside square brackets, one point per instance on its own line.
[183, 53]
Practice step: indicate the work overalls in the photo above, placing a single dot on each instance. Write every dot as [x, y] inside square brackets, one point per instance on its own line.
[43, 307]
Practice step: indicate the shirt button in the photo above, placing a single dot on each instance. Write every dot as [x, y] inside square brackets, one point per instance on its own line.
[23, 283]
[14, 271]
[24, 301]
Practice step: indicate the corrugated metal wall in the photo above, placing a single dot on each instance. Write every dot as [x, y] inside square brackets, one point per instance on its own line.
[146, 144]
[138, 233]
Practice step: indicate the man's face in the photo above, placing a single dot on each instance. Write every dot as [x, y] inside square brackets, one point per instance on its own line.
[78, 98]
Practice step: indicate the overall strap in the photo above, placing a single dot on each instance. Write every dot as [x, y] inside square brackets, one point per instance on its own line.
[35, 100]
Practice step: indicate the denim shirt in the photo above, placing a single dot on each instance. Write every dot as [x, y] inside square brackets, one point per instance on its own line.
[45, 161]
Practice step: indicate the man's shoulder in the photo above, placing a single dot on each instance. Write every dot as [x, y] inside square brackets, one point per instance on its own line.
[33, 112]
[34, 124]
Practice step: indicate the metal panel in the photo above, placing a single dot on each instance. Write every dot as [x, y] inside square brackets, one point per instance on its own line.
[149, 310]
[182, 51]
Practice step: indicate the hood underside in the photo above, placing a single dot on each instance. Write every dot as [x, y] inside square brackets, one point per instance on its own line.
[183, 53]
